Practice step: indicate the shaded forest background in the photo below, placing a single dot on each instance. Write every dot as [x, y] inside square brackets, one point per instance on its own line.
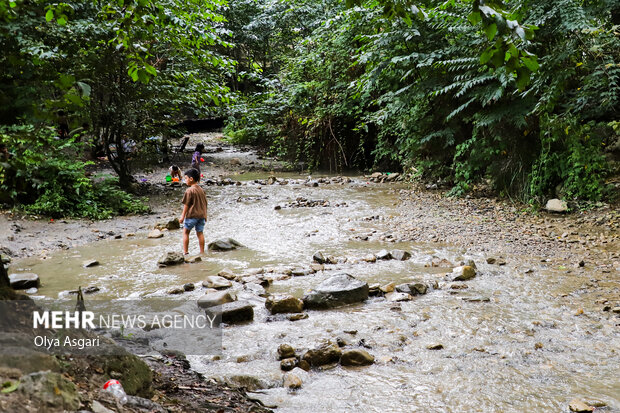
[521, 96]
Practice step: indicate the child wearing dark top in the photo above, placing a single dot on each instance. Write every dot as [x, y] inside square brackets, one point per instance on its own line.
[196, 157]
[194, 210]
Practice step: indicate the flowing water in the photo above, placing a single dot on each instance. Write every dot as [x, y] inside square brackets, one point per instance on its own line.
[514, 341]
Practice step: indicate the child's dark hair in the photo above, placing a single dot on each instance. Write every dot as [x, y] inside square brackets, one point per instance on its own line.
[194, 174]
[200, 148]
[174, 168]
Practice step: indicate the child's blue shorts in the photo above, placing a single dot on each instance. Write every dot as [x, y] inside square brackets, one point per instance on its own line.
[190, 223]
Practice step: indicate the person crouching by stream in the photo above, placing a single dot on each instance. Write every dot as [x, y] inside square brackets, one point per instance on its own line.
[194, 210]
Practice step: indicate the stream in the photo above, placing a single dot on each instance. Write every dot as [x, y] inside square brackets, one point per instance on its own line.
[518, 339]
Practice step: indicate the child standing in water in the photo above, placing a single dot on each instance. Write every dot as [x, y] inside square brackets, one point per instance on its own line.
[196, 157]
[194, 210]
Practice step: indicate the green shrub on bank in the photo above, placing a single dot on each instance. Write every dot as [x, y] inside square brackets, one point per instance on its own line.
[43, 177]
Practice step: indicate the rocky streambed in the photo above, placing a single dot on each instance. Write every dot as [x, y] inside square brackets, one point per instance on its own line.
[351, 293]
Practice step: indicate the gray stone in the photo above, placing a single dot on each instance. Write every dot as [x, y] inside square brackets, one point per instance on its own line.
[400, 255]
[24, 281]
[193, 260]
[91, 289]
[90, 263]
[176, 291]
[217, 282]
[284, 304]
[369, 258]
[228, 274]
[189, 287]
[255, 288]
[384, 255]
[224, 244]
[556, 205]
[356, 357]
[463, 273]
[236, 312]
[325, 354]
[171, 258]
[435, 346]
[319, 258]
[398, 297]
[32, 290]
[297, 316]
[337, 290]
[414, 288]
[52, 390]
[155, 234]
[286, 351]
[215, 298]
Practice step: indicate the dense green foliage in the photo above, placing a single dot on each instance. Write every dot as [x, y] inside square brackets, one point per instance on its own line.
[104, 73]
[453, 90]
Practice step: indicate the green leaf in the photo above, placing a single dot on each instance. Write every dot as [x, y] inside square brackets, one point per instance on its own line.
[12, 4]
[474, 18]
[9, 387]
[523, 78]
[61, 21]
[49, 15]
[491, 31]
[531, 63]
[486, 56]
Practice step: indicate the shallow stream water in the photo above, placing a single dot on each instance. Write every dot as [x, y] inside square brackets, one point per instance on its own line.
[514, 341]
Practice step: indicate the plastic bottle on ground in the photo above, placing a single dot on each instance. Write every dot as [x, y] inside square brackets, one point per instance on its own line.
[116, 388]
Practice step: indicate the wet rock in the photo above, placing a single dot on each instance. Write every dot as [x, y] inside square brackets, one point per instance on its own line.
[317, 267]
[337, 290]
[173, 224]
[24, 281]
[319, 258]
[301, 272]
[297, 317]
[463, 273]
[400, 255]
[491, 260]
[577, 405]
[90, 263]
[292, 381]
[556, 205]
[36, 290]
[284, 304]
[286, 351]
[193, 260]
[374, 290]
[155, 234]
[356, 357]
[325, 354]
[470, 263]
[189, 287]
[171, 258]
[388, 288]
[304, 365]
[256, 289]
[51, 390]
[91, 289]
[288, 364]
[176, 291]
[225, 244]
[384, 255]
[369, 258]
[392, 177]
[435, 346]
[398, 297]
[228, 274]
[236, 312]
[414, 288]
[217, 282]
[441, 263]
[215, 298]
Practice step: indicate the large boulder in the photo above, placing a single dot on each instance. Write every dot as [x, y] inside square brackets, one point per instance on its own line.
[24, 281]
[224, 244]
[284, 304]
[326, 354]
[337, 290]
[215, 298]
[171, 258]
[556, 205]
[236, 312]
[356, 357]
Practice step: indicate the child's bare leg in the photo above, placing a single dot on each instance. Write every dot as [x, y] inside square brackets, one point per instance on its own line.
[185, 240]
[201, 241]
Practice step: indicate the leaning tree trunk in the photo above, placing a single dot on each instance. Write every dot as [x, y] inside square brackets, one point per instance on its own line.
[118, 161]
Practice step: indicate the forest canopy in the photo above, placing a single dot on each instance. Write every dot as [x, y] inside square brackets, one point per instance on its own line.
[520, 95]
